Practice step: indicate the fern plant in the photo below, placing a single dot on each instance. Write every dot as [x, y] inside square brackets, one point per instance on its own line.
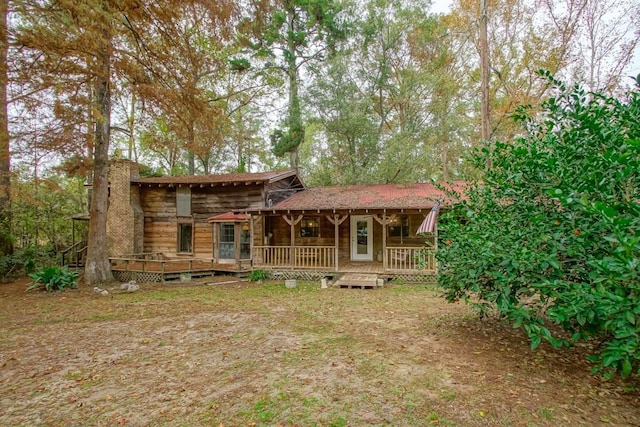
[53, 279]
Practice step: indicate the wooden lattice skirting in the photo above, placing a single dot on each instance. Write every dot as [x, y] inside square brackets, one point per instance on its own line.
[317, 275]
[415, 278]
[300, 275]
[126, 276]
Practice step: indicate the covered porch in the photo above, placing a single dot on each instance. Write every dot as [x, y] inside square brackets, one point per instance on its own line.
[386, 229]
[406, 260]
[355, 228]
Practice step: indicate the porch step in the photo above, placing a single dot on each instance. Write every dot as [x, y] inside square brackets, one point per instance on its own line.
[359, 280]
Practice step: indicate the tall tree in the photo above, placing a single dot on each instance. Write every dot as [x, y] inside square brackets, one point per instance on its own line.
[389, 104]
[183, 61]
[610, 34]
[288, 34]
[98, 266]
[5, 156]
[73, 46]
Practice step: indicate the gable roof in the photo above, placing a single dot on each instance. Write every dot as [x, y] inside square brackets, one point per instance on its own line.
[416, 196]
[218, 179]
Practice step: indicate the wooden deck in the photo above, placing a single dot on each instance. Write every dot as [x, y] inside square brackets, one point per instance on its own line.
[310, 263]
[153, 268]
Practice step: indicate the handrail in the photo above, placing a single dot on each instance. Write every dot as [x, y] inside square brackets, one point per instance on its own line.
[405, 258]
[293, 257]
[73, 249]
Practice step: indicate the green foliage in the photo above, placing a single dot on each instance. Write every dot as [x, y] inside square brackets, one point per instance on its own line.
[284, 142]
[54, 279]
[551, 234]
[239, 64]
[41, 210]
[26, 260]
[258, 275]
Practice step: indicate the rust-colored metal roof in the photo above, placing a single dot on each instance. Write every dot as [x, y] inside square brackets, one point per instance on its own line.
[230, 217]
[375, 197]
[218, 179]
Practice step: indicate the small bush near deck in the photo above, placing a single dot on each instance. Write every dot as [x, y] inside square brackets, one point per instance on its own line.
[54, 279]
[257, 275]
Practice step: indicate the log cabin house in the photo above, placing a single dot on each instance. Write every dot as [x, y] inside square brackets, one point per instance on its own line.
[166, 227]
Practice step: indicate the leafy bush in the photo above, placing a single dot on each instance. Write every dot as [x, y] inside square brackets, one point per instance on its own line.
[552, 233]
[54, 279]
[23, 260]
[258, 275]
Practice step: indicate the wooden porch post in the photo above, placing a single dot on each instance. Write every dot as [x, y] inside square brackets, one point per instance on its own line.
[214, 242]
[254, 221]
[384, 244]
[237, 229]
[384, 221]
[336, 241]
[337, 222]
[289, 219]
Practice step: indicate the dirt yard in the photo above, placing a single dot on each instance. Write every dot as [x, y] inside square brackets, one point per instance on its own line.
[242, 354]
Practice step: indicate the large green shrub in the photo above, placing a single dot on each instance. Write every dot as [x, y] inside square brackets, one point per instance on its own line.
[54, 279]
[552, 233]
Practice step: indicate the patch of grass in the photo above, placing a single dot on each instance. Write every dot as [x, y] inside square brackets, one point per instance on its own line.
[546, 413]
[340, 422]
[73, 375]
[49, 320]
[106, 317]
[447, 395]
[262, 411]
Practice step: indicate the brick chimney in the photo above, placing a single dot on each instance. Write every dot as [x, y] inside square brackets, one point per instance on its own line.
[125, 218]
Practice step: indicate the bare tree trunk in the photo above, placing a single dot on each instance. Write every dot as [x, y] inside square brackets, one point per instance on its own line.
[484, 65]
[6, 246]
[191, 147]
[295, 121]
[133, 152]
[98, 267]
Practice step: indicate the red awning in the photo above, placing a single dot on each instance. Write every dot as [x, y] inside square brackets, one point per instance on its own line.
[230, 217]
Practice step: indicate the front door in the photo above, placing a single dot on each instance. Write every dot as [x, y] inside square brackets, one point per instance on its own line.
[226, 243]
[362, 238]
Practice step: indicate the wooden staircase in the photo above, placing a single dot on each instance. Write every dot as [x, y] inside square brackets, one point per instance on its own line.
[359, 280]
[75, 255]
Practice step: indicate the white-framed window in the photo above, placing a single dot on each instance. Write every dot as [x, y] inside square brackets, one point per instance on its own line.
[226, 241]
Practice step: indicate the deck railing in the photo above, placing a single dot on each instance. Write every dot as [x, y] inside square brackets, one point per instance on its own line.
[319, 258]
[410, 259]
[304, 257]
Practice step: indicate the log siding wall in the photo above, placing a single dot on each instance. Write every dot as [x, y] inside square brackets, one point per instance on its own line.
[161, 222]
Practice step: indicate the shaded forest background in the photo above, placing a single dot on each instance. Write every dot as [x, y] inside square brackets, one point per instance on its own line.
[347, 91]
